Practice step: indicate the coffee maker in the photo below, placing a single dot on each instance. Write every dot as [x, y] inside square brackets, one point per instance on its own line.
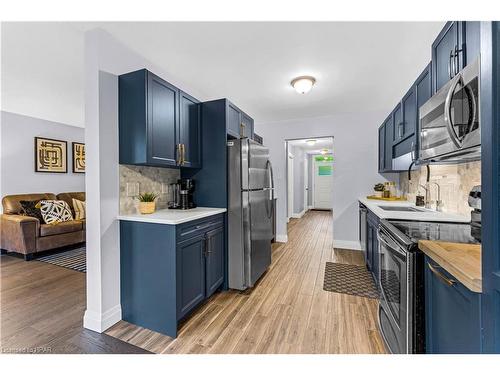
[182, 194]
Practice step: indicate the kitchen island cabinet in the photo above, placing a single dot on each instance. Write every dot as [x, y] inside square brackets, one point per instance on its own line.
[167, 270]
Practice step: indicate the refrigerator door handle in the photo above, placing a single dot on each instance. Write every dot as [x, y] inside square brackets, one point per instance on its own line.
[269, 168]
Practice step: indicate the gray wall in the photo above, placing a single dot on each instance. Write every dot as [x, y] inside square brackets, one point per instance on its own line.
[17, 156]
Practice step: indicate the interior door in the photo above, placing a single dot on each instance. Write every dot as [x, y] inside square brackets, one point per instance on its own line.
[323, 185]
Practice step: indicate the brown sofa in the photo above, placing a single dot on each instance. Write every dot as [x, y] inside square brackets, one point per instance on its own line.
[25, 235]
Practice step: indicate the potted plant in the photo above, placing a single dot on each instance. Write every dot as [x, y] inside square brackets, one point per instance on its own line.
[147, 203]
[379, 190]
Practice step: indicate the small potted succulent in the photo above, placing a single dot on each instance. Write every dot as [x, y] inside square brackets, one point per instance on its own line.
[147, 203]
[379, 190]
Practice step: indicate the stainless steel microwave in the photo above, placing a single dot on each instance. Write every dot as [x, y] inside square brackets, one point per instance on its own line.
[449, 121]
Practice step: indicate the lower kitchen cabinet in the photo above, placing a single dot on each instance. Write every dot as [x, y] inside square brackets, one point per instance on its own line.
[452, 313]
[372, 261]
[169, 270]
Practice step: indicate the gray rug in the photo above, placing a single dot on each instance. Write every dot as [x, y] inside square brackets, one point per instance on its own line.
[72, 259]
[349, 279]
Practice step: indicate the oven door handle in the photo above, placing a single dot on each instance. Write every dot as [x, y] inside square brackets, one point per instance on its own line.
[387, 241]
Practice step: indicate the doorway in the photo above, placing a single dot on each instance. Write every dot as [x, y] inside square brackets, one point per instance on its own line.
[309, 174]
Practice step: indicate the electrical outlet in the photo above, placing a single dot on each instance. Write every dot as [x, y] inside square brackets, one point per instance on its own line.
[132, 189]
[164, 188]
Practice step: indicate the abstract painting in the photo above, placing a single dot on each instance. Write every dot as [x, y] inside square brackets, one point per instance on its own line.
[78, 157]
[51, 155]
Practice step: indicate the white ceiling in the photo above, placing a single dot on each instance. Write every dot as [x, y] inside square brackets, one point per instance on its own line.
[321, 144]
[362, 66]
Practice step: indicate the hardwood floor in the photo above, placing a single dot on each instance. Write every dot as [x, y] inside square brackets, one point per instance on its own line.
[42, 308]
[286, 312]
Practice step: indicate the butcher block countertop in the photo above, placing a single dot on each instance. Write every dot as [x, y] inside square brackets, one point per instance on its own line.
[462, 261]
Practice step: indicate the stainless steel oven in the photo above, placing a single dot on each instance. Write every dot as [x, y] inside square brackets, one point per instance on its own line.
[394, 269]
[449, 121]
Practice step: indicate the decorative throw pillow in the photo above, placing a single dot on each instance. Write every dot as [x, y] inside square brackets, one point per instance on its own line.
[79, 208]
[29, 208]
[54, 212]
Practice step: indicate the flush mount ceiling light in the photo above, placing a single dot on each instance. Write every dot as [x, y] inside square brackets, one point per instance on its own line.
[311, 142]
[303, 84]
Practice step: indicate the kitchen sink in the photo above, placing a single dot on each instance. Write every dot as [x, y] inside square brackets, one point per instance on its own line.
[401, 208]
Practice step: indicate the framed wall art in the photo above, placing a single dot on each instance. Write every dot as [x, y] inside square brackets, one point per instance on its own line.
[51, 155]
[78, 157]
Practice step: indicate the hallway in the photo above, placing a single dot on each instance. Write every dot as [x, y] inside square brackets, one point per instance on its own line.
[287, 312]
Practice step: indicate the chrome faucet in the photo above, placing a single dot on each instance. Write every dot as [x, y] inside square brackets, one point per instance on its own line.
[427, 189]
[439, 202]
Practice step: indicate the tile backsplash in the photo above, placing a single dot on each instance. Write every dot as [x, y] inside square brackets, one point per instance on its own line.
[139, 179]
[456, 180]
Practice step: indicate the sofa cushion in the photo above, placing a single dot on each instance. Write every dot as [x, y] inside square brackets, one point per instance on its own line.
[60, 228]
[78, 209]
[68, 198]
[55, 211]
[11, 203]
[30, 209]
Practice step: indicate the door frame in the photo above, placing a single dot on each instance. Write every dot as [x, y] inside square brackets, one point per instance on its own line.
[306, 182]
[289, 185]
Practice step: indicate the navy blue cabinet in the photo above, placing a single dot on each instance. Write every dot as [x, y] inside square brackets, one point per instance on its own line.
[397, 124]
[158, 124]
[190, 274]
[423, 92]
[189, 130]
[452, 313]
[166, 271]
[456, 45]
[214, 252]
[381, 148]
[239, 124]
[372, 261]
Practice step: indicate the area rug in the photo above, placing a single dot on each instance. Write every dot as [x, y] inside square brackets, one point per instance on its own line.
[72, 259]
[349, 279]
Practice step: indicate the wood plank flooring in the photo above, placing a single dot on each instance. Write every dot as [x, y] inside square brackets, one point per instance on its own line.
[42, 308]
[286, 312]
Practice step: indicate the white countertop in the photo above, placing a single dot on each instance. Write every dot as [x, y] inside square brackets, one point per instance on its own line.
[424, 215]
[173, 217]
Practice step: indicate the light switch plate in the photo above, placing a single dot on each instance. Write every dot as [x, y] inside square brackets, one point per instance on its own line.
[132, 189]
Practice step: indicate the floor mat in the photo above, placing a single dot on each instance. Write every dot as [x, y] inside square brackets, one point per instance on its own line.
[349, 279]
[73, 259]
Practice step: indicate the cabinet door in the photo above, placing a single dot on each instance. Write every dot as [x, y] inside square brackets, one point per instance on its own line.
[409, 108]
[470, 42]
[189, 130]
[190, 274]
[214, 260]
[233, 120]
[398, 126]
[423, 89]
[369, 246]
[443, 52]
[247, 126]
[452, 315]
[163, 101]
[381, 148]
[375, 260]
[388, 144]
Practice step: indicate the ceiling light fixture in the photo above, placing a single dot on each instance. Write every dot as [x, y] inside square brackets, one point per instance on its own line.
[311, 142]
[303, 84]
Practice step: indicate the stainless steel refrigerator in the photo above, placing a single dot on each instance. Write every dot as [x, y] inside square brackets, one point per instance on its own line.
[250, 228]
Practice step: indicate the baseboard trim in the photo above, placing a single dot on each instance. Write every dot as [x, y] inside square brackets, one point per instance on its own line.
[282, 238]
[100, 322]
[351, 245]
[299, 215]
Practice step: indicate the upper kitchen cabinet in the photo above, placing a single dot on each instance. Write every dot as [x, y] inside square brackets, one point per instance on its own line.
[158, 124]
[189, 130]
[239, 124]
[456, 46]
[381, 148]
[397, 124]
[385, 145]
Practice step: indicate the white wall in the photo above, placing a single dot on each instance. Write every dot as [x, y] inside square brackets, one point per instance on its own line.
[355, 151]
[105, 59]
[18, 161]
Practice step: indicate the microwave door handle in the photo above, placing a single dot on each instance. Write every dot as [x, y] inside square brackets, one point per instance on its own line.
[447, 110]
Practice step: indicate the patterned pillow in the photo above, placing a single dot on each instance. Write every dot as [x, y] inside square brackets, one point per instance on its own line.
[54, 212]
[29, 208]
[79, 208]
